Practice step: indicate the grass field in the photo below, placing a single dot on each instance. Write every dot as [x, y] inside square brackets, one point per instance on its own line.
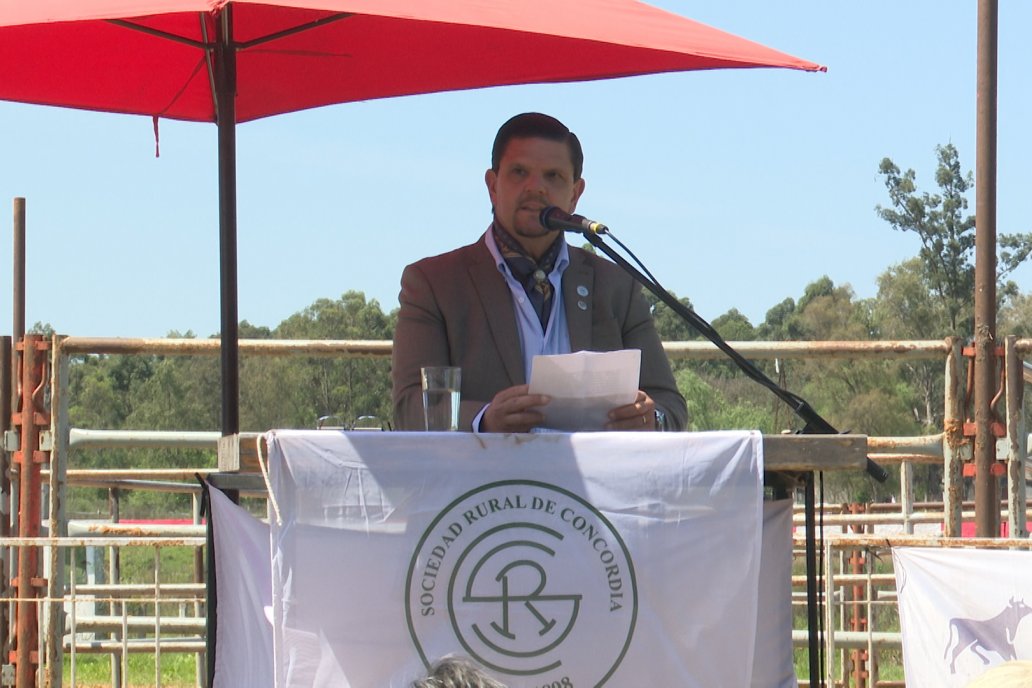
[177, 671]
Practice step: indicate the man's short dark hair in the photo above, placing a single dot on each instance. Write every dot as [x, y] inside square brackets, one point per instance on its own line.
[534, 125]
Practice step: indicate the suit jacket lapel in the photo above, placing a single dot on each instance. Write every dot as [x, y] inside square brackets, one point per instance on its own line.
[578, 293]
[496, 302]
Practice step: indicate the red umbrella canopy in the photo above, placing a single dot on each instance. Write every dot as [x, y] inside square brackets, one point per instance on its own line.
[155, 57]
[173, 58]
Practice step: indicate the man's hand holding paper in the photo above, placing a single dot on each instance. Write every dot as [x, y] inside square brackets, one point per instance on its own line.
[591, 390]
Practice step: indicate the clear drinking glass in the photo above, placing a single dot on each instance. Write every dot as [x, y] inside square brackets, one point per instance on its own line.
[441, 386]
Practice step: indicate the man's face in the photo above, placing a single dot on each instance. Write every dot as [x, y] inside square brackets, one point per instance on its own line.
[532, 175]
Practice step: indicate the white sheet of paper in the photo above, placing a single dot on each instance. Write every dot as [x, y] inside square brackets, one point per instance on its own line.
[585, 386]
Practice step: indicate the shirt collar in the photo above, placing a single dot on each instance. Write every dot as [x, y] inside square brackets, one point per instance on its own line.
[561, 261]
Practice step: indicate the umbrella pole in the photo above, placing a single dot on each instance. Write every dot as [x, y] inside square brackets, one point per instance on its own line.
[226, 113]
[225, 108]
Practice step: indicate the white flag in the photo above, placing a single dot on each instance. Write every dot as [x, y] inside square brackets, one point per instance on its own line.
[243, 583]
[550, 560]
[962, 611]
[773, 660]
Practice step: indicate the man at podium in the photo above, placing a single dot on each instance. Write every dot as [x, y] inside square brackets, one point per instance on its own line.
[521, 291]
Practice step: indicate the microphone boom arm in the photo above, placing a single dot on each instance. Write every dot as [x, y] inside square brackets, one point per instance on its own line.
[815, 424]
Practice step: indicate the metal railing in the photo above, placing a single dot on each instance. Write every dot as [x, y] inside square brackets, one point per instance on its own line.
[158, 633]
[859, 594]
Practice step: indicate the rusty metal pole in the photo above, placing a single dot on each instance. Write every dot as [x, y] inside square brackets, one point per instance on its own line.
[12, 397]
[29, 506]
[19, 270]
[6, 390]
[1017, 502]
[953, 440]
[18, 313]
[858, 617]
[987, 506]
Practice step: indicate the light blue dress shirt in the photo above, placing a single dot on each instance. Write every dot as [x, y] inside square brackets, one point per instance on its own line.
[555, 338]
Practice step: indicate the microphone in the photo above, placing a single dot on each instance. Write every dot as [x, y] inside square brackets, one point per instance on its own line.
[556, 220]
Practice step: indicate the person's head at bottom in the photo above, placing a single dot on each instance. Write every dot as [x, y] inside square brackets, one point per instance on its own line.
[456, 672]
[1014, 674]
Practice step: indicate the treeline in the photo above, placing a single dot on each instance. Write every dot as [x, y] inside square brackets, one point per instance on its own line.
[871, 397]
[147, 392]
[927, 297]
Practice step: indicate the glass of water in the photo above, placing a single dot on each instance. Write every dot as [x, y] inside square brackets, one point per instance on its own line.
[441, 386]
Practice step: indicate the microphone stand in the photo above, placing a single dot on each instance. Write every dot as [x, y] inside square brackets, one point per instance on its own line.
[815, 424]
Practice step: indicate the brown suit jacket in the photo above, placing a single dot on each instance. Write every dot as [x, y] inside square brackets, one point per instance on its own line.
[456, 309]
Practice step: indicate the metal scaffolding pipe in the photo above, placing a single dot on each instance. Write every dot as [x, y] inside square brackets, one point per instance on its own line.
[18, 329]
[360, 348]
[142, 541]
[115, 647]
[142, 485]
[887, 541]
[168, 439]
[210, 347]
[74, 475]
[77, 528]
[925, 445]
[1016, 442]
[896, 518]
[113, 624]
[168, 591]
[855, 639]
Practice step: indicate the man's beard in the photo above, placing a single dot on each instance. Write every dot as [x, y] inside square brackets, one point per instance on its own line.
[530, 229]
[533, 233]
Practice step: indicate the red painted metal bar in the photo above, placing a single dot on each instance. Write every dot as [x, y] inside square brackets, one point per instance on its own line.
[30, 418]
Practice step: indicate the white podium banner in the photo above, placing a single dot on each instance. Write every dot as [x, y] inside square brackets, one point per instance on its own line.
[551, 560]
[962, 611]
[243, 637]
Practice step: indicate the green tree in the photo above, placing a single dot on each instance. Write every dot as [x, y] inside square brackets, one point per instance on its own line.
[778, 325]
[782, 322]
[905, 309]
[947, 234]
[734, 326]
[42, 328]
[711, 408]
[943, 226]
[1016, 315]
[671, 326]
[933, 295]
[296, 392]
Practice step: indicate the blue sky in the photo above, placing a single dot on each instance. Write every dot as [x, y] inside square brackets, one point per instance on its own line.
[735, 187]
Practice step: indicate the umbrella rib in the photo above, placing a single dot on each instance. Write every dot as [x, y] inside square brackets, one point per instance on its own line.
[244, 45]
[160, 34]
[211, 68]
